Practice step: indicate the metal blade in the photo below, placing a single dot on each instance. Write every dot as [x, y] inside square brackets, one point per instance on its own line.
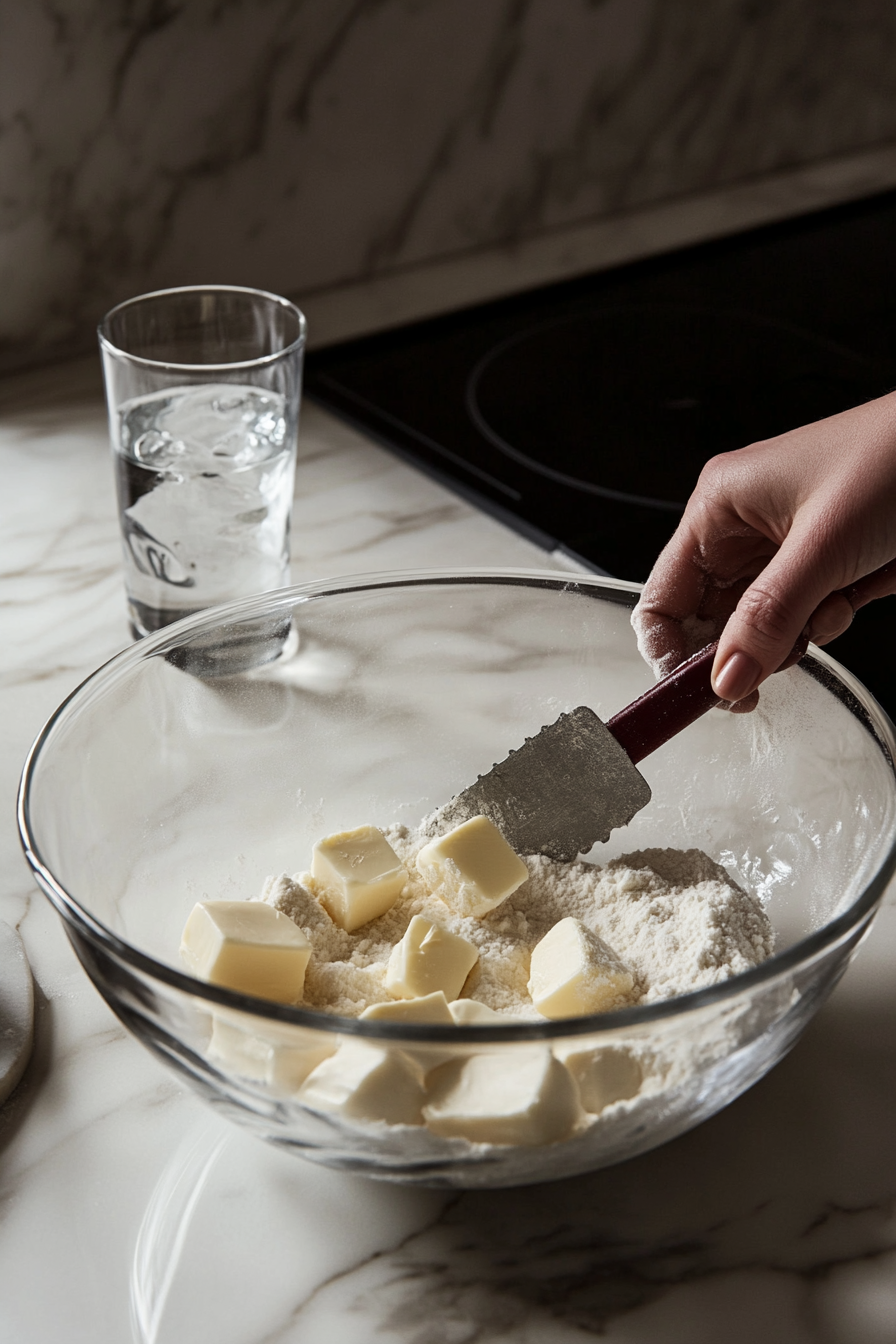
[559, 793]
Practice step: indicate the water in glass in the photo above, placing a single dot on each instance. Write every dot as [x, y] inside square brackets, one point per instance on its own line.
[205, 481]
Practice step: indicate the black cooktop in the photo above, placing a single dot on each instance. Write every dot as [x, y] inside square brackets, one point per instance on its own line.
[582, 413]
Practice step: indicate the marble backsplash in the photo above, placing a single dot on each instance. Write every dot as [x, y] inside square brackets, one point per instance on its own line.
[381, 159]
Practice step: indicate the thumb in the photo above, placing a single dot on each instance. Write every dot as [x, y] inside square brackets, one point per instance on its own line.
[770, 617]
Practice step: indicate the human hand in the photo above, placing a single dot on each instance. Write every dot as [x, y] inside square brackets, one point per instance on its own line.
[780, 543]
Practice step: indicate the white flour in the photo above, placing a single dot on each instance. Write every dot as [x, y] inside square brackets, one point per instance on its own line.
[675, 918]
[662, 650]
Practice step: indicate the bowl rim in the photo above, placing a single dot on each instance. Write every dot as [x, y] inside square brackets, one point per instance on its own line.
[821, 666]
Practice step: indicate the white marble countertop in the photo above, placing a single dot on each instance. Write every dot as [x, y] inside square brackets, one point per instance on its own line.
[130, 1211]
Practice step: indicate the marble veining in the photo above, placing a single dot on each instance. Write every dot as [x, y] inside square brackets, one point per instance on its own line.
[130, 1211]
[331, 148]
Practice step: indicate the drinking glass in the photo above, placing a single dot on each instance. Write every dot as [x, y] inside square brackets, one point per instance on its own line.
[203, 386]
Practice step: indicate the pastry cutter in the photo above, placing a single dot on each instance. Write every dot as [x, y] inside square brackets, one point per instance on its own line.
[575, 781]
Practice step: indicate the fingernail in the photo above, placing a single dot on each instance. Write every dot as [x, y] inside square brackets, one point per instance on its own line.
[739, 676]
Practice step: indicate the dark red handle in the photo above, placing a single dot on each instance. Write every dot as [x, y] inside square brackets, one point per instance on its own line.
[670, 705]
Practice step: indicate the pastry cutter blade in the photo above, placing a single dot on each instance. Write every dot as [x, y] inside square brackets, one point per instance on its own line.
[576, 780]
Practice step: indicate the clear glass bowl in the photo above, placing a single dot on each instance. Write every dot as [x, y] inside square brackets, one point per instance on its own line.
[216, 752]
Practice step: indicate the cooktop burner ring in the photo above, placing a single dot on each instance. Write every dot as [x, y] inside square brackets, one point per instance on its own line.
[678, 384]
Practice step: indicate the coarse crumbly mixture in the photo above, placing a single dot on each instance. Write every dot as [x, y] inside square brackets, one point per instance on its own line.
[675, 917]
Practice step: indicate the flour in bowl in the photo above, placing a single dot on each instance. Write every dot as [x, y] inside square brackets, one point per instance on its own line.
[675, 917]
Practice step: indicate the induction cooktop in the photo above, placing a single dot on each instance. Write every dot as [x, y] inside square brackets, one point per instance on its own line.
[582, 413]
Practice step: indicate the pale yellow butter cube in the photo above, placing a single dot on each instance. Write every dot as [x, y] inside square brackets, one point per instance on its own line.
[282, 1059]
[239, 1051]
[358, 875]
[364, 1082]
[512, 1096]
[573, 971]
[431, 1008]
[289, 1065]
[247, 946]
[471, 1013]
[427, 1008]
[472, 868]
[427, 959]
[603, 1074]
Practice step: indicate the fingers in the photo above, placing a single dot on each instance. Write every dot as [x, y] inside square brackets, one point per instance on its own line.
[770, 545]
[773, 614]
[770, 611]
[664, 642]
[660, 640]
[830, 618]
[736, 675]
[665, 619]
[745, 706]
[880, 583]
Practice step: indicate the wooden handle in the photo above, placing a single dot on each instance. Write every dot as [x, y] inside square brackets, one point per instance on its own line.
[670, 705]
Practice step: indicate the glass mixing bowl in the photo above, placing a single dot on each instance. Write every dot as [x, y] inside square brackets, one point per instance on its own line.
[216, 752]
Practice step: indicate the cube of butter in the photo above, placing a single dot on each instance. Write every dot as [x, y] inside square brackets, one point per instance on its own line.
[358, 874]
[289, 1066]
[427, 1008]
[513, 1096]
[281, 1058]
[472, 868]
[431, 1008]
[364, 1082]
[471, 1013]
[247, 946]
[427, 959]
[240, 1051]
[573, 971]
[603, 1074]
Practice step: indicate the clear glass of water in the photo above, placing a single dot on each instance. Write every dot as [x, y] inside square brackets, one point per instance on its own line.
[203, 386]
